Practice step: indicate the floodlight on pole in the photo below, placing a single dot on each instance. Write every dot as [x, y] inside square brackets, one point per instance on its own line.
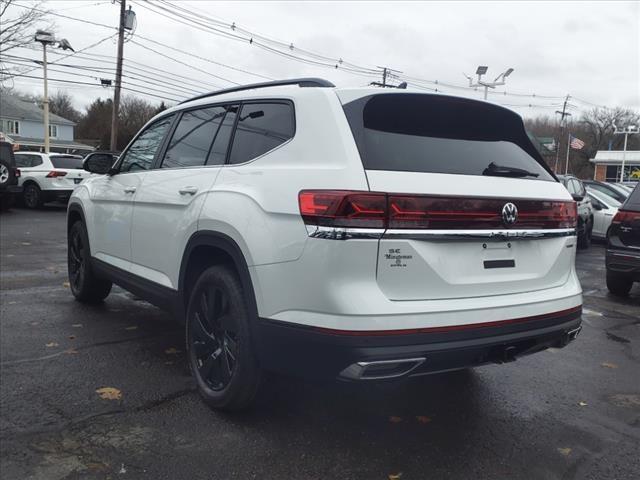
[48, 38]
[626, 131]
[480, 71]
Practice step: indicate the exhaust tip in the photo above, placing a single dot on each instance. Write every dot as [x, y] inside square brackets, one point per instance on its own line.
[381, 369]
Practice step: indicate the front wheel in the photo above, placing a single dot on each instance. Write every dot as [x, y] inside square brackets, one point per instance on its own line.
[84, 284]
[219, 346]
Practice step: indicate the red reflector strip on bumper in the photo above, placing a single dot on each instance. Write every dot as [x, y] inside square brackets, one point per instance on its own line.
[450, 328]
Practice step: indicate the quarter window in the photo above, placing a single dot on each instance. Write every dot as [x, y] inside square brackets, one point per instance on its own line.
[143, 150]
[192, 139]
[261, 128]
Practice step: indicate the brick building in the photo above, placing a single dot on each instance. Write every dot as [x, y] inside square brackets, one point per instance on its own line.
[607, 165]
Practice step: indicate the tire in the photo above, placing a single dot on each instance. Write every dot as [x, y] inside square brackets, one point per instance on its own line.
[32, 196]
[218, 337]
[6, 174]
[619, 285]
[85, 285]
[584, 241]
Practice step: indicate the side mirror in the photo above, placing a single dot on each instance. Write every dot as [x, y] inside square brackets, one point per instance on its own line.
[577, 197]
[597, 206]
[100, 164]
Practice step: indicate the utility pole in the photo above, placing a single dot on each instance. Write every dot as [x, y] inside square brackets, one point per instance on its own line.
[626, 131]
[116, 92]
[563, 114]
[384, 77]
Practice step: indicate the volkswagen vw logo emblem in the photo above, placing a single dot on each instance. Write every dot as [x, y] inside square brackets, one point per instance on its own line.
[509, 213]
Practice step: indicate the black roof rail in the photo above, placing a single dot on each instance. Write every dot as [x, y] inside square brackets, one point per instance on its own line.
[302, 82]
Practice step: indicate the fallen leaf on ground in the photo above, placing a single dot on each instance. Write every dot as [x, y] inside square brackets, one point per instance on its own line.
[609, 365]
[423, 419]
[565, 451]
[109, 393]
[395, 476]
[171, 351]
[71, 351]
[72, 337]
[583, 404]
[51, 344]
[626, 400]
[77, 325]
[132, 327]
[65, 284]
[26, 243]
[393, 419]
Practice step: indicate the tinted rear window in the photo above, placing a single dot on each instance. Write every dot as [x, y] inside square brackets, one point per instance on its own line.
[440, 134]
[633, 202]
[66, 162]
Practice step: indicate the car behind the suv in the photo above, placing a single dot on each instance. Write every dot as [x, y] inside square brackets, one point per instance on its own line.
[354, 234]
[585, 210]
[9, 175]
[623, 246]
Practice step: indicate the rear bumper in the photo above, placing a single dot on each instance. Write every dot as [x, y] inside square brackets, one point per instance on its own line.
[321, 353]
[624, 261]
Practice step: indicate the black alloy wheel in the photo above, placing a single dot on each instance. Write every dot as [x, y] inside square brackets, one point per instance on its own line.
[77, 265]
[219, 343]
[85, 285]
[213, 338]
[32, 196]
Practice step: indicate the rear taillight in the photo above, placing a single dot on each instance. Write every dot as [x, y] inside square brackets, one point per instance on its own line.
[17, 173]
[55, 173]
[624, 216]
[340, 208]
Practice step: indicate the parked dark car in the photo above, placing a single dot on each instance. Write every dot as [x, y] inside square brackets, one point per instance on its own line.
[607, 189]
[9, 175]
[585, 209]
[623, 246]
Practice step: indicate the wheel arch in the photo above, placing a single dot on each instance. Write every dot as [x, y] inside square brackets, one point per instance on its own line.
[205, 249]
[74, 213]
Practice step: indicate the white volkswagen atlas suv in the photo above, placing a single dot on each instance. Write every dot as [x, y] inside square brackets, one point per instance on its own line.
[357, 234]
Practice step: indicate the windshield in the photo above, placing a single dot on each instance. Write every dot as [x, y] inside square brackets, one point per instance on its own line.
[66, 161]
[440, 134]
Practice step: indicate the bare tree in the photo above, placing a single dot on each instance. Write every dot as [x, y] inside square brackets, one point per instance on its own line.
[18, 24]
[598, 126]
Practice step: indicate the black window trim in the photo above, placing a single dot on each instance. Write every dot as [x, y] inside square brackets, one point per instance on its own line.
[158, 160]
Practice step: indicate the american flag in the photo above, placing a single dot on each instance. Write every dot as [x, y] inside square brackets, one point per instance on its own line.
[575, 143]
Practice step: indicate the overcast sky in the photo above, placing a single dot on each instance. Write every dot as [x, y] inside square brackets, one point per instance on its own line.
[590, 50]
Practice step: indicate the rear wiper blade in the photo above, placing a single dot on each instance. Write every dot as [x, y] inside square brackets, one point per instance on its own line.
[503, 171]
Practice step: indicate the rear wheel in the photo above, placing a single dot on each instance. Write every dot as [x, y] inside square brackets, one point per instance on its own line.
[219, 341]
[84, 284]
[619, 284]
[32, 196]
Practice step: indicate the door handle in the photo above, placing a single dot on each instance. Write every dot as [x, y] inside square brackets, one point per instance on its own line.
[188, 190]
[129, 189]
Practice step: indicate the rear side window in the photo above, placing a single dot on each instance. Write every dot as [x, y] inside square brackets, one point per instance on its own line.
[192, 139]
[218, 153]
[66, 162]
[261, 128]
[143, 150]
[440, 134]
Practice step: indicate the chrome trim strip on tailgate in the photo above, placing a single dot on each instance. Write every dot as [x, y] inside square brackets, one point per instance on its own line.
[341, 233]
[479, 234]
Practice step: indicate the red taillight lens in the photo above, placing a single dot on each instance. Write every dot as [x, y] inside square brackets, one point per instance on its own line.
[624, 216]
[340, 208]
[17, 173]
[55, 173]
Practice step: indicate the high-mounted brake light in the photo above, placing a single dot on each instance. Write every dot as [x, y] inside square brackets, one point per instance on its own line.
[342, 208]
[625, 216]
[55, 173]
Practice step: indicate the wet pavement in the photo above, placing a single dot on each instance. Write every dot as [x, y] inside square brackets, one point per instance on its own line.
[560, 414]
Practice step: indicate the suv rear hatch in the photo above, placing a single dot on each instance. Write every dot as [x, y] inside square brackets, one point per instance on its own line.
[453, 170]
[626, 223]
[68, 170]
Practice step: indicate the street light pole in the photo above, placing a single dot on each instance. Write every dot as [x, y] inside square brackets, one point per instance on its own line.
[626, 131]
[45, 102]
[499, 80]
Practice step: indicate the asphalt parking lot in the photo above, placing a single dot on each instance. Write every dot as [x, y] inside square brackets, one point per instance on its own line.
[560, 414]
